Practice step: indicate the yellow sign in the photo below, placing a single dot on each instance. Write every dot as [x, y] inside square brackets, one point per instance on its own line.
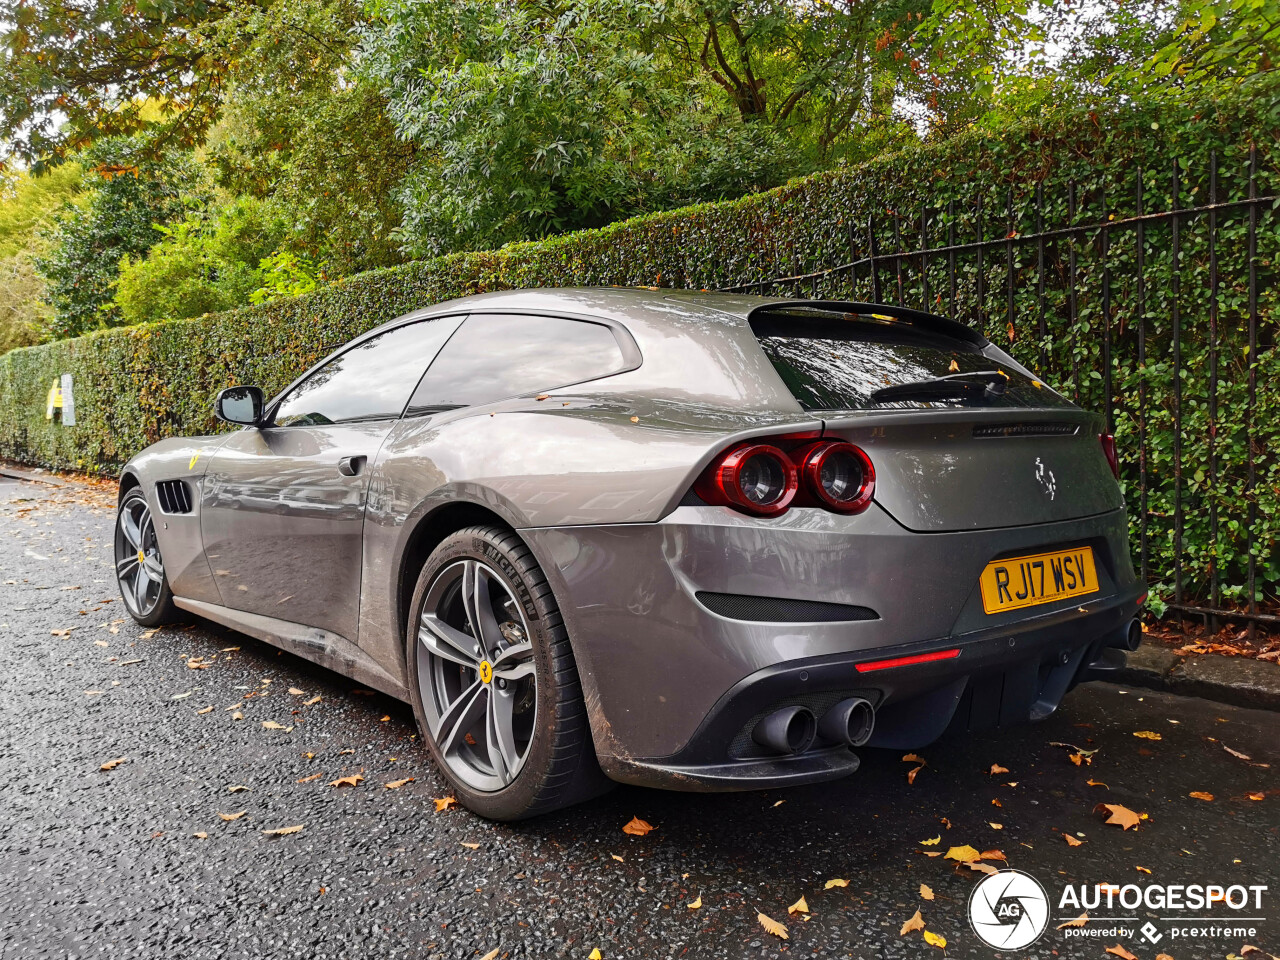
[1039, 578]
[486, 671]
[54, 400]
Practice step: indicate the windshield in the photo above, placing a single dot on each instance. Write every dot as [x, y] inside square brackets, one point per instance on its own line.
[839, 361]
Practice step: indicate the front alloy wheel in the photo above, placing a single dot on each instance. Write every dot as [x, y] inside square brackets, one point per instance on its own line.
[139, 569]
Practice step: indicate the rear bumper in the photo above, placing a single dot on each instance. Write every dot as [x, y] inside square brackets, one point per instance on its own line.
[672, 686]
[1000, 677]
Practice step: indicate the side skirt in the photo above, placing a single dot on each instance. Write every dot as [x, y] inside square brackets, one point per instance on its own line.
[311, 643]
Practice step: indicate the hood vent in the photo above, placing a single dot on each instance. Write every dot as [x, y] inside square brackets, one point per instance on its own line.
[1046, 429]
[173, 496]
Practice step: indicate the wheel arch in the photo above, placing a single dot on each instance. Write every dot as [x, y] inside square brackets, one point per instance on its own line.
[128, 480]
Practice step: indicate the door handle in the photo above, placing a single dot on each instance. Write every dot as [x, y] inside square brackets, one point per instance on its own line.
[351, 466]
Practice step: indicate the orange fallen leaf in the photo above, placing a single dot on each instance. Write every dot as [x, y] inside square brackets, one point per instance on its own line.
[638, 828]
[1079, 921]
[996, 768]
[926, 892]
[444, 803]
[965, 854]
[911, 774]
[935, 940]
[986, 868]
[228, 817]
[1147, 735]
[397, 784]
[913, 758]
[954, 368]
[1256, 795]
[931, 843]
[312, 702]
[995, 802]
[470, 846]
[835, 882]
[995, 826]
[800, 906]
[993, 855]
[1143, 870]
[351, 781]
[618, 858]
[1096, 783]
[314, 776]
[915, 923]
[772, 926]
[1201, 795]
[697, 904]
[1236, 753]
[112, 764]
[1122, 817]
[284, 831]
[1071, 841]
[1121, 952]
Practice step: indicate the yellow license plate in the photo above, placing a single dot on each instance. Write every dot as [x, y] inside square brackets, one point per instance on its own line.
[1039, 578]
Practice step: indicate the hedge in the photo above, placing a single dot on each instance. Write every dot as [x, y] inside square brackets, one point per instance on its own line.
[138, 384]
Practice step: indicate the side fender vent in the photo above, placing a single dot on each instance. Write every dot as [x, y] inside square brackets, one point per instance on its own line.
[173, 496]
[737, 606]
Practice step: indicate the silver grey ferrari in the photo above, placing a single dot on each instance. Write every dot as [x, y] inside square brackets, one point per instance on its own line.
[687, 540]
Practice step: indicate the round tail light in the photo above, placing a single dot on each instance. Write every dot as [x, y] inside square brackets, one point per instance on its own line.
[757, 478]
[839, 476]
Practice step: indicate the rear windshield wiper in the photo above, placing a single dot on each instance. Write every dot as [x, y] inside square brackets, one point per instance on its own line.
[978, 385]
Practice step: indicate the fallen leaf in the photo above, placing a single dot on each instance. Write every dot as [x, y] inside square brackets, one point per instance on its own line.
[470, 846]
[208, 709]
[295, 692]
[595, 954]
[637, 420]
[397, 784]
[954, 368]
[1257, 795]
[385, 718]
[1148, 735]
[618, 858]
[182, 696]
[228, 817]
[492, 954]
[696, 905]
[1121, 952]
[1122, 817]
[996, 768]
[995, 802]
[444, 803]
[780, 803]
[800, 906]
[913, 758]
[935, 940]
[314, 776]
[1201, 795]
[1143, 870]
[965, 854]
[1236, 753]
[112, 764]
[1071, 841]
[993, 855]
[354, 780]
[312, 702]
[272, 725]
[995, 826]
[1096, 783]
[638, 828]
[1079, 921]
[837, 882]
[200, 835]
[772, 926]
[931, 843]
[915, 923]
[284, 831]
[926, 892]
[238, 788]
[237, 715]
[986, 868]
[911, 774]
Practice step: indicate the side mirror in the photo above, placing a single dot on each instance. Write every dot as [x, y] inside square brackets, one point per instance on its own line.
[242, 405]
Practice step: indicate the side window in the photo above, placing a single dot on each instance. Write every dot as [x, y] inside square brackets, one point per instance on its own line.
[370, 381]
[498, 356]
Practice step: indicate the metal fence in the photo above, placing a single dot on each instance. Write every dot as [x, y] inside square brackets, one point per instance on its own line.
[945, 260]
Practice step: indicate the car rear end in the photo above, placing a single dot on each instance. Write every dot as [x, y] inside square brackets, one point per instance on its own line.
[942, 545]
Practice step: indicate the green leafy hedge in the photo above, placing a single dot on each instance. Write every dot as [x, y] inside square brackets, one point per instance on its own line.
[138, 384]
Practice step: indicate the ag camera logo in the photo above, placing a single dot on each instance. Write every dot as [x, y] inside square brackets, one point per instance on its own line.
[1009, 910]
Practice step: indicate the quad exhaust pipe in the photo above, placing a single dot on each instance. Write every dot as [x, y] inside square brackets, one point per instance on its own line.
[793, 729]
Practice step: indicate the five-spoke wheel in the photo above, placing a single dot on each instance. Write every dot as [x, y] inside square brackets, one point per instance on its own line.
[476, 674]
[139, 568]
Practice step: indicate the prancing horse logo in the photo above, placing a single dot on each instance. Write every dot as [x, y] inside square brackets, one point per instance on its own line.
[1046, 478]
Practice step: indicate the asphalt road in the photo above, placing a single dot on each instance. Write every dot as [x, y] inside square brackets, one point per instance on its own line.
[137, 862]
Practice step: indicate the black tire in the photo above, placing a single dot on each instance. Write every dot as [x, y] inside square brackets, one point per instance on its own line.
[559, 764]
[158, 607]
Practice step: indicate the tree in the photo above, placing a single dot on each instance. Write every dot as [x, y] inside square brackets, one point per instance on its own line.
[128, 193]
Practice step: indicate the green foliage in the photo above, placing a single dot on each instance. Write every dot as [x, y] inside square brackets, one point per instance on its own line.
[28, 205]
[136, 385]
[128, 193]
[22, 308]
[283, 274]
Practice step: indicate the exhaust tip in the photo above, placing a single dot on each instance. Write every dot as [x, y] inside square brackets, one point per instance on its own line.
[850, 721]
[1133, 637]
[788, 730]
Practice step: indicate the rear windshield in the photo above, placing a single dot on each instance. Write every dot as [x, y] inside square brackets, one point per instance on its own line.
[838, 362]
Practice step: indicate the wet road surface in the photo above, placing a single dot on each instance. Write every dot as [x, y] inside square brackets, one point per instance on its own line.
[138, 862]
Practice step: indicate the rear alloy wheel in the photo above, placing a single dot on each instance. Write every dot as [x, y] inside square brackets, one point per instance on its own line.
[494, 684]
[139, 569]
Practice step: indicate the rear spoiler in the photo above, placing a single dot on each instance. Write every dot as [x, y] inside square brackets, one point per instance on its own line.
[927, 322]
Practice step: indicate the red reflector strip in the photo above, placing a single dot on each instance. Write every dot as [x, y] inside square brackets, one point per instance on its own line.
[906, 661]
[1142, 599]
